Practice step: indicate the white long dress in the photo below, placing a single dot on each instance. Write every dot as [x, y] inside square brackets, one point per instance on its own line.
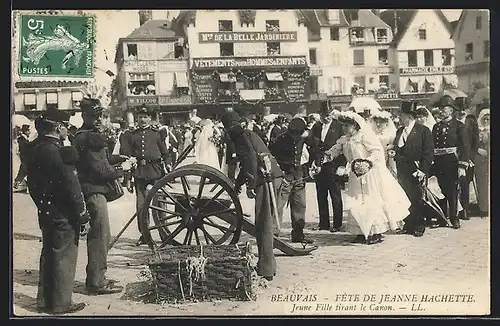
[375, 202]
[205, 150]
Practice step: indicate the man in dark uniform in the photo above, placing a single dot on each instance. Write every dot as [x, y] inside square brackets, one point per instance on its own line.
[95, 171]
[414, 152]
[148, 147]
[328, 131]
[472, 132]
[293, 150]
[249, 147]
[451, 156]
[23, 143]
[276, 128]
[62, 214]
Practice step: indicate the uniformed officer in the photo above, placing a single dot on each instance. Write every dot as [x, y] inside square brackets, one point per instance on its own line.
[248, 147]
[62, 214]
[149, 149]
[451, 155]
[95, 171]
[293, 150]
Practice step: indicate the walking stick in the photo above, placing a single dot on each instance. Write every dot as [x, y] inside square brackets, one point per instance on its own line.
[267, 174]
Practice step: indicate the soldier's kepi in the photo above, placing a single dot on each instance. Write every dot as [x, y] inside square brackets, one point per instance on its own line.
[451, 155]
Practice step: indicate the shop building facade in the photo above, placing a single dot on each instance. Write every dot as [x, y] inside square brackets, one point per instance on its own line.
[152, 69]
[424, 50]
[472, 50]
[246, 57]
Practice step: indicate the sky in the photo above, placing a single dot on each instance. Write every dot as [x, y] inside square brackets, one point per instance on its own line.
[114, 24]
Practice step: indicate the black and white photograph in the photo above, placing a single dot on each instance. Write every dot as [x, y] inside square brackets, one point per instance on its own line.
[250, 162]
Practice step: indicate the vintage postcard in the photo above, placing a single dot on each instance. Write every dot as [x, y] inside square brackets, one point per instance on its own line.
[292, 162]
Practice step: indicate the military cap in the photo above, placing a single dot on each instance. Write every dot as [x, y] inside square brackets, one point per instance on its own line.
[25, 127]
[230, 119]
[297, 125]
[55, 115]
[447, 101]
[144, 110]
[91, 106]
[409, 107]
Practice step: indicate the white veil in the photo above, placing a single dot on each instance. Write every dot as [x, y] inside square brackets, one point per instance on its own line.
[429, 121]
[391, 127]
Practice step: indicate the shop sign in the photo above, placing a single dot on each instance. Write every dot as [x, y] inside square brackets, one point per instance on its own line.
[367, 95]
[140, 66]
[431, 70]
[340, 99]
[142, 100]
[316, 71]
[237, 37]
[382, 70]
[251, 62]
[387, 96]
[168, 100]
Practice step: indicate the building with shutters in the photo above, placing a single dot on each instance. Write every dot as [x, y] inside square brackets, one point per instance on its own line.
[152, 68]
[424, 50]
[472, 50]
[246, 57]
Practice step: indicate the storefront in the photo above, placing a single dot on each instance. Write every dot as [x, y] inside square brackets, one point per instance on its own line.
[279, 82]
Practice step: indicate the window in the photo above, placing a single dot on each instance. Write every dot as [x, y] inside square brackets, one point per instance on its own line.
[469, 51]
[383, 81]
[272, 25]
[226, 49]
[412, 86]
[146, 51]
[429, 86]
[383, 56]
[273, 48]
[487, 49]
[141, 84]
[478, 22]
[253, 83]
[446, 56]
[412, 58]
[178, 51]
[336, 86]
[382, 35]
[225, 25]
[314, 84]
[334, 33]
[312, 56]
[357, 34]
[132, 51]
[422, 34]
[336, 59]
[359, 84]
[429, 58]
[359, 57]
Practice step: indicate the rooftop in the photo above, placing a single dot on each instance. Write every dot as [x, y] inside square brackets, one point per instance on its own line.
[152, 30]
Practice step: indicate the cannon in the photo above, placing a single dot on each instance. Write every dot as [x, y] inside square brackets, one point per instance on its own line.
[196, 204]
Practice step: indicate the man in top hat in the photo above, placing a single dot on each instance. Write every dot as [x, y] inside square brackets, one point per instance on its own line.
[328, 130]
[62, 213]
[23, 143]
[413, 153]
[293, 150]
[146, 144]
[95, 171]
[451, 156]
[464, 115]
[250, 148]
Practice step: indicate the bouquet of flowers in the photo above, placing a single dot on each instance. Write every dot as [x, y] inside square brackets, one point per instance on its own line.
[217, 138]
[361, 166]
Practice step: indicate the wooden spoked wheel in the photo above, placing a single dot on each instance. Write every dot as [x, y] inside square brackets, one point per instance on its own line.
[192, 205]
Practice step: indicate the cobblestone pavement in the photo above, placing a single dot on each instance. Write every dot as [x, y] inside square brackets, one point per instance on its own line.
[443, 261]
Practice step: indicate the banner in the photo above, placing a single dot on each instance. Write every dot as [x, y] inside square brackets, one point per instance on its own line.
[443, 70]
[291, 61]
[236, 37]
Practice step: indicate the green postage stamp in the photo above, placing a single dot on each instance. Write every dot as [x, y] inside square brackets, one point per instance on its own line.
[56, 46]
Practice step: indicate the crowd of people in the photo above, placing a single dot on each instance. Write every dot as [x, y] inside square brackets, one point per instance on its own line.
[386, 165]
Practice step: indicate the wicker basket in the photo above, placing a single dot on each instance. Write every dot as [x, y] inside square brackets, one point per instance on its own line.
[203, 273]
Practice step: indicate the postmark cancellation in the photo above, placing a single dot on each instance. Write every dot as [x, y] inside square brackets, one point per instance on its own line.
[56, 46]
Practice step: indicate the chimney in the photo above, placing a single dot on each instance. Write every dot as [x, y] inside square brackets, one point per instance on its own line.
[395, 23]
[144, 16]
[376, 12]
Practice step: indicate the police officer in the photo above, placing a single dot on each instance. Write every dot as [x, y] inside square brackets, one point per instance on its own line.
[146, 144]
[248, 147]
[451, 156]
[62, 214]
[23, 143]
[95, 171]
[293, 150]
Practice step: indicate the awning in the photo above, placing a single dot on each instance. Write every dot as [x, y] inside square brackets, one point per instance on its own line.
[224, 77]
[76, 96]
[274, 76]
[448, 82]
[413, 81]
[29, 99]
[51, 98]
[181, 79]
[252, 94]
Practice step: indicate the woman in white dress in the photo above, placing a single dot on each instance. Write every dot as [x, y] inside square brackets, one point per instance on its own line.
[375, 201]
[384, 128]
[205, 149]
